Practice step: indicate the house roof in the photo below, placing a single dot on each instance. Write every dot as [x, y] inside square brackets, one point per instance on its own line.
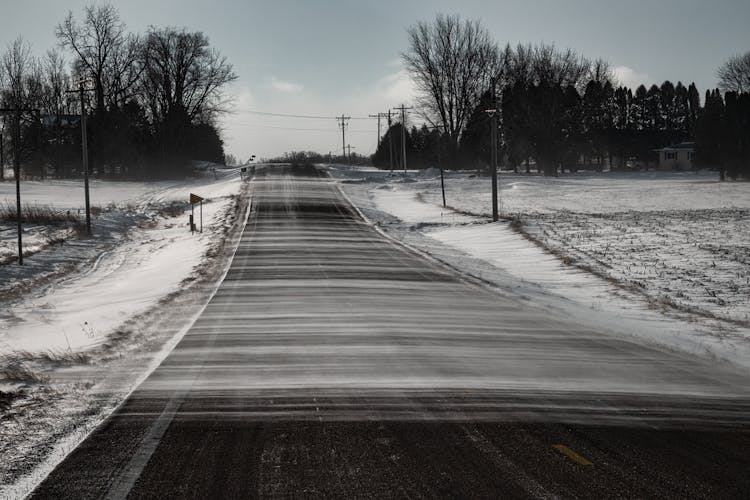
[683, 146]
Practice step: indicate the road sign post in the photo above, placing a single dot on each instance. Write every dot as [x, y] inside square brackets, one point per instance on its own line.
[194, 198]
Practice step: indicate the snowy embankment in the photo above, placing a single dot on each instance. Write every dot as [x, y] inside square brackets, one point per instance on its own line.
[659, 256]
[85, 319]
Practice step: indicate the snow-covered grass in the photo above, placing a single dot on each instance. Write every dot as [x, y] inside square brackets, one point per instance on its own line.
[661, 256]
[86, 318]
[681, 239]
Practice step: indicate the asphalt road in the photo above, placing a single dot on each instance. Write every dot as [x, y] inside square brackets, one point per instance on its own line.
[333, 362]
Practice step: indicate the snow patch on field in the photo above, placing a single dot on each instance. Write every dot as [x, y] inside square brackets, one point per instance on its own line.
[658, 256]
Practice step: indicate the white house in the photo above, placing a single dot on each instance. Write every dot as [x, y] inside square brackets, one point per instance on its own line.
[678, 157]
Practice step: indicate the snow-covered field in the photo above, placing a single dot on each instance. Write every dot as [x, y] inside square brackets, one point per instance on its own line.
[660, 256]
[82, 322]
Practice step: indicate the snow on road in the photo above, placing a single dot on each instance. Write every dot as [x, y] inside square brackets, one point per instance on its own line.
[80, 322]
[75, 340]
[659, 256]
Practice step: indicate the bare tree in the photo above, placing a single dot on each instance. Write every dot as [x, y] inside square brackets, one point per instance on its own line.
[515, 65]
[601, 71]
[123, 72]
[559, 67]
[451, 62]
[56, 81]
[22, 89]
[105, 52]
[544, 63]
[183, 75]
[56, 102]
[734, 74]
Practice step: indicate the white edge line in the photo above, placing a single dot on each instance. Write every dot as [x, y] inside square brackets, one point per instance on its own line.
[26, 487]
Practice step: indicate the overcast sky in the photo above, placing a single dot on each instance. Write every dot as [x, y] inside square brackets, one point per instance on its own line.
[328, 57]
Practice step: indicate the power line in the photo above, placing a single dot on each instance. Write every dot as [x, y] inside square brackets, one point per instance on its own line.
[261, 125]
[287, 115]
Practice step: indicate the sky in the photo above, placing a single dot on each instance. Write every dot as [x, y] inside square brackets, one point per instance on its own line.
[333, 57]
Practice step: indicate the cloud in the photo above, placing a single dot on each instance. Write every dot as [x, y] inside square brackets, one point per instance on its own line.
[631, 78]
[395, 88]
[286, 87]
[243, 98]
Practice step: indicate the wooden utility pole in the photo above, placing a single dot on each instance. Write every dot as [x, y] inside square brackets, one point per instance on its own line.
[390, 142]
[493, 148]
[442, 184]
[403, 135]
[15, 112]
[85, 151]
[16, 133]
[342, 123]
[377, 143]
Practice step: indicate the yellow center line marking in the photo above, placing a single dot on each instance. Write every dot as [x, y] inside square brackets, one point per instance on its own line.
[571, 454]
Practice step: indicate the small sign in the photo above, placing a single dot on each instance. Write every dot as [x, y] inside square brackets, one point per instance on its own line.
[243, 169]
[194, 198]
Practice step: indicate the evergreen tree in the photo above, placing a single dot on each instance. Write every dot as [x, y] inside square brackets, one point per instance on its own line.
[681, 113]
[710, 133]
[621, 124]
[639, 115]
[666, 122]
[694, 108]
[381, 157]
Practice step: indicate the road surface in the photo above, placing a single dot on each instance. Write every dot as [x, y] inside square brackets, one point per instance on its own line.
[333, 362]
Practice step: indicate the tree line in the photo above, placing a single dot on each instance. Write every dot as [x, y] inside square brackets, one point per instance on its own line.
[152, 100]
[557, 109]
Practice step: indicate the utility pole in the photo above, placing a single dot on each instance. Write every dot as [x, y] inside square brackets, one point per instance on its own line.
[15, 112]
[440, 164]
[493, 148]
[390, 143]
[342, 123]
[16, 133]
[85, 151]
[377, 143]
[403, 135]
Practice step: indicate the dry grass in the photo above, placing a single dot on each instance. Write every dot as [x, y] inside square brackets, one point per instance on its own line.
[17, 371]
[173, 209]
[38, 214]
[51, 358]
[64, 358]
